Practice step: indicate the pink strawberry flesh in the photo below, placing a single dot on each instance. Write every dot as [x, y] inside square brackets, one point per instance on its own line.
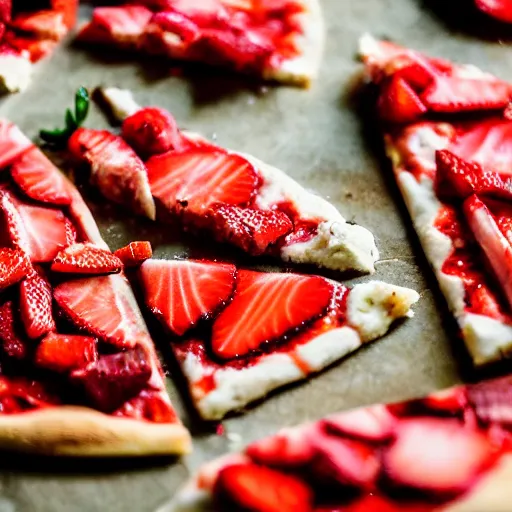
[86, 259]
[372, 424]
[259, 489]
[413, 68]
[450, 94]
[14, 343]
[14, 266]
[116, 169]
[175, 22]
[13, 143]
[254, 231]
[182, 292]
[450, 401]
[499, 9]
[95, 305]
[456, 178]
[39, 179]
[437, 456]
[493, 242]
[152, 131]
[398, 103]
[193, 181]
[36, 306]
[135, 253]
[492, 401]
[265, 307]
[112, 380]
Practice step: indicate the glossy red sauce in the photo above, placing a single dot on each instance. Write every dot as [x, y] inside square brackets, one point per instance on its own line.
[303, 230]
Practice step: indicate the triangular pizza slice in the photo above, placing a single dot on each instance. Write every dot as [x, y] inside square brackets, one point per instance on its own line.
[79, 374]
[281, 41]
[450, 452]
[239, 334]
[155, 169]
[448, 134]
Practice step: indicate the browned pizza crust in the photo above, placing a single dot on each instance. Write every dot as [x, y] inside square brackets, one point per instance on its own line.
[79, 431]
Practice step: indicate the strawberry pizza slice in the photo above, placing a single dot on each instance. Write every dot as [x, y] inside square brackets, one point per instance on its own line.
[30, 31]
[449, 452]
[239, 334]
[276, 40]
[158, 170]
[78, 371]
[448, 134]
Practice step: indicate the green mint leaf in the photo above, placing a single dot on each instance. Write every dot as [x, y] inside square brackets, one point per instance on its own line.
[71, 124]
[81, 105]
[56, 137]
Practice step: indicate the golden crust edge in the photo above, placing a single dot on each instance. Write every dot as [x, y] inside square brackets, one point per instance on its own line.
[83, 432]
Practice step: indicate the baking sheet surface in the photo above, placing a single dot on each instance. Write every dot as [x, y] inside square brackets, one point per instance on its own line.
[318, 137]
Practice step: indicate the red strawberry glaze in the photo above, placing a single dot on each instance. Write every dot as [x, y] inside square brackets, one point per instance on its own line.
[303, 229]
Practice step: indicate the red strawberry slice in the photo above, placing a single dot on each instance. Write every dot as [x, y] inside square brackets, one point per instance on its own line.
[493, 242]
[5, 10]
[44, 24]
[35, 49]
[260, 489]
[13, 143]
[450, 401]
[14, 343]
[449, 94]
[14, 266]
[343, 461]
[195, 180]
[439, 456]
[179, 24]
[123, 25]
[456, 178]
[413, 68]
[148, 405]
[86, 259]
[96, 305]
[265, 307]
[135, 253]
[115, 169]
[492, 401]
[488, 143]
[398, 103]
[13, 231]
[499, 9]
[182, 292]
[69, 9]
[287, 449]
[36, 306]
[371, 424]
[39, 179]
[65, 352]
[251, 230]
[151, 131]
[31, 392]
[112, 380]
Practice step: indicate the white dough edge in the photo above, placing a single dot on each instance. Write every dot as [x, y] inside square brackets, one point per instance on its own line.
[337, 245]
[371, 309]
[487, 340]
[15, 73]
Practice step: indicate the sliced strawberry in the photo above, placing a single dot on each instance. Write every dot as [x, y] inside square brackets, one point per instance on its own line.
[151, 131]
[14, 343]
[27, 393]
[499, 9]
[488, 143]
[413, 68]
[5, 10]
[456, 178]
[39, 179]
[286, 449]
[372, 424]
[44, 24]
[13, 143]
[259, 489]
[65, 352]
[177, 23]
[14, 266]
[450, 94]
[251, 230]
[36, 305]
[492, 401]
[265, 307]
[195, 180]
[148, 405]
[34, 49]
[69, 9]
[122, 25]
[494, 243]
[112, 380]
[116, 169]
[398, 103]
[86, 259]
[13, 231]
[135, 253]
[181, 292]
[95, 305]
[450, 401]
[438, 456]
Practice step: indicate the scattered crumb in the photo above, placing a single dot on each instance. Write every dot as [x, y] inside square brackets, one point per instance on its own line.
[349, 195]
